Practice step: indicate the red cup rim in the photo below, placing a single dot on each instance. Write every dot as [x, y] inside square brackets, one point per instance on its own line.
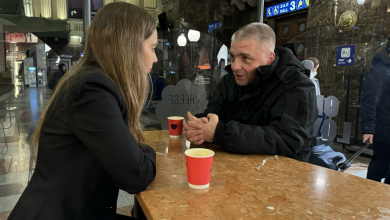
[177, 118]
[199, 156]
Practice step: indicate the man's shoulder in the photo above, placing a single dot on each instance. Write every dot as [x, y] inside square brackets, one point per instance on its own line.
[292, 76]
[289, 69]
[227, 80]
[58, 73]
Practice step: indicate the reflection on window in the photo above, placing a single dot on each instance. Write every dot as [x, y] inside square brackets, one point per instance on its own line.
[285, 30]
[300, 48]
[302, 27]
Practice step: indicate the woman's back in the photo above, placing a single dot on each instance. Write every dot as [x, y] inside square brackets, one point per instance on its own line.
[85, 154]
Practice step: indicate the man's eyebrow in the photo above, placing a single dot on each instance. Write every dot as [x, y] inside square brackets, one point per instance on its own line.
[242, 54]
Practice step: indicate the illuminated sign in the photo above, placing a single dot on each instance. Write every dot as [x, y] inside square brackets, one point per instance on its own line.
[345, 55]
[66, 56]
[214, 26]
[286, 7]
[20, 38]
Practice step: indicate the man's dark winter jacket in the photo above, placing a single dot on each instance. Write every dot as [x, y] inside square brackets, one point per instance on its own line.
[375, 110]
[273, 115]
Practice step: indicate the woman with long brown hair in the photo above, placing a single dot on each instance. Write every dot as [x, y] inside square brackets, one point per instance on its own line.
[89, 138]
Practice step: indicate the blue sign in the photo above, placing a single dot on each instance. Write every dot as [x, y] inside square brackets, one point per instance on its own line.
[286, 7]
[215, 26]
[66, 56]
[345, 55]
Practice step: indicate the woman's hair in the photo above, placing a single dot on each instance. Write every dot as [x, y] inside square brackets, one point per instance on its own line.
[315, 61]
[113, 46]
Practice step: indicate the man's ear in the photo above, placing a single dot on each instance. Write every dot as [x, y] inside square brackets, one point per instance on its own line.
[271, 57]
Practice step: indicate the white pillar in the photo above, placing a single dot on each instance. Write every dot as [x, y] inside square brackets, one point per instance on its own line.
[46, 8]
[60, 9]
[36, 6]
[28, 9]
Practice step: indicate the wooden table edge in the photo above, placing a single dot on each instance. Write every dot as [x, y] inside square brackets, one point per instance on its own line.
[143, 206]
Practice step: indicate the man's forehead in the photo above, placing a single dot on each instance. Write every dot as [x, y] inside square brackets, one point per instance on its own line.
[243, 46]
[246, 41]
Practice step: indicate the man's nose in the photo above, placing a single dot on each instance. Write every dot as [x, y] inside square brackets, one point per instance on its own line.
[236, 65]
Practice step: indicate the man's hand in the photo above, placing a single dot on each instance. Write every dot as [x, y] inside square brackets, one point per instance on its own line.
[193, 128]
[368, 137]
[209, 128]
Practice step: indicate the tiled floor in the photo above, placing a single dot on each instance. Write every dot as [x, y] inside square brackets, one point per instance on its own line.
[15, 164]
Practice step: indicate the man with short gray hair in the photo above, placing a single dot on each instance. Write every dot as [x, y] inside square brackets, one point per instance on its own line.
[259, 31]
[266, 104]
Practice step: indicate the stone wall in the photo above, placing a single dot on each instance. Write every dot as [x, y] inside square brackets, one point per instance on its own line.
[323, 37]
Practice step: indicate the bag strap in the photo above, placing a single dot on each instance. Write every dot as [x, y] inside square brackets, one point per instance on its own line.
[342, 166]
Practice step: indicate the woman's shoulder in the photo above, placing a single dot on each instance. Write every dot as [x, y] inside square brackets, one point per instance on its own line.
[95, 82]
[95, 77]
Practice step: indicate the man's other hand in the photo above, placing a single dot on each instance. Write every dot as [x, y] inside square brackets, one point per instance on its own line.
[368, 137]
[209, 128]
[193, 128]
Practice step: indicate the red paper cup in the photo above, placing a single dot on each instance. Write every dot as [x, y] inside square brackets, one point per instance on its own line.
[199, 161]
[175, 125]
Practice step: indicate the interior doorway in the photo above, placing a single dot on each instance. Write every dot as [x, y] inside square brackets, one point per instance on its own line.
[292, 27]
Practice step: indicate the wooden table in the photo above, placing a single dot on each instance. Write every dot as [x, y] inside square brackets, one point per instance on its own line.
[256, 187]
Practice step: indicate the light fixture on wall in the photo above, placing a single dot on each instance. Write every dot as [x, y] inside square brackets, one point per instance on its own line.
[360, 2]
[347, 19]
[193, 35]
[182, 40]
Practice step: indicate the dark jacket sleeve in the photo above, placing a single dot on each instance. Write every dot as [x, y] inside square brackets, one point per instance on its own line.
[54, 80]
[372, 93]
[289, 132]
[97, 120]
[216, 105]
